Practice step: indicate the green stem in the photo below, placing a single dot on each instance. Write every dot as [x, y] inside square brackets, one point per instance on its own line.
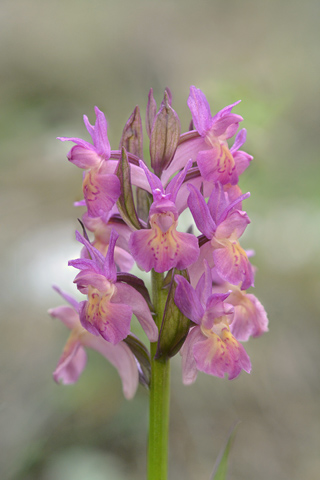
[159, 395]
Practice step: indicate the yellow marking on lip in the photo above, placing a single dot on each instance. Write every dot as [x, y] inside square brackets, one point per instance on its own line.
[225, 160]
[98, 303]
[163, 244]
[89, 185]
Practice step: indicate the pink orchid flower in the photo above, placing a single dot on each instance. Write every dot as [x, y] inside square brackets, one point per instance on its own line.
[207, 145]
[73, 359]
[223, 224]
[216, 161]
[110, 304]
[100, 188]
[210, 346]
[250, 318]
[102, 233]
[162, 247]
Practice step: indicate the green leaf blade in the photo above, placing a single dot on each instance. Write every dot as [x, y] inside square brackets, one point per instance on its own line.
[221, 466]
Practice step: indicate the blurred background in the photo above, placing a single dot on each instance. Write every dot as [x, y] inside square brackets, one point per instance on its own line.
[58, 60]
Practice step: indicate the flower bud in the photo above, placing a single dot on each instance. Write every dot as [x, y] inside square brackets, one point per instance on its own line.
[125, 202]
[132, 139]
[164, 136]
[151, 112]
[175, 326]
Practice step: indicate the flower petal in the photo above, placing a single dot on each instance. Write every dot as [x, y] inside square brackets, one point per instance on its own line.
[126, 294]
[73, 302]
[218, 202]
[187, 300]
[68, 316]
[154, 248]
[242, 160]
[110, 320]
[88, 125]
[109, 267]
[123, 259]
[121, 357]
[239, 357]
[189, 366]
[77, 141]
[200, 110]
[225, 123]
[233, 226]
[154, 181]
[84, 157]
[211, 356]
[217, 164]
[217, 308]
[97, 258]
[200, 212]
[204, 285]
[176, 183]
[218, 356]
[250, 317]
[100, 136]
[239, 141]
[186, 150]
[83, 154]
[87, 278]
[100, 192]
[72, 361]
[196, 270]
[226, 126]
[233, 265]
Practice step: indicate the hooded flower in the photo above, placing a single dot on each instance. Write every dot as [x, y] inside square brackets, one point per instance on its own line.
[223, 224]
[73, 359]
[110, 304]
[210, 346]
[207, 145]
[100, 189]
[216, 161]
[87, 155]
[102, 232]
[161, 247]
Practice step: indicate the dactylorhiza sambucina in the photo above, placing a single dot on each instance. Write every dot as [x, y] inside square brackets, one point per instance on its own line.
[199, 305]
